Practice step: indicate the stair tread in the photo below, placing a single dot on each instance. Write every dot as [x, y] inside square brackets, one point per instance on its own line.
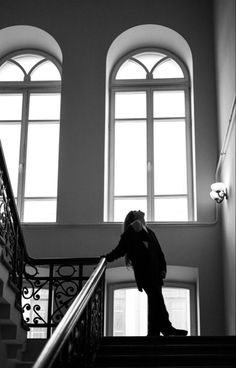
[6, 321]
[166, 338]
[163, 352]
[170, 366]
[167, 355]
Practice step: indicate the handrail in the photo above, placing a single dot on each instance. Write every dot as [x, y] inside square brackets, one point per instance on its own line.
[70, 319]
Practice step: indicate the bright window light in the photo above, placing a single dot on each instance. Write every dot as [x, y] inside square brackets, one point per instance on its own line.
[29, 132]
[130, 158]
[130, 310]
[149, 155]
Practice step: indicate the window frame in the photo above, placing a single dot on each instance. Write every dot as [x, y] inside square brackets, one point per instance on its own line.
[149, 86]
[26, 88]
[191, 286]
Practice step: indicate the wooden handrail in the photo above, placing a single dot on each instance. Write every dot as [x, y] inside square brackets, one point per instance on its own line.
[68, 322]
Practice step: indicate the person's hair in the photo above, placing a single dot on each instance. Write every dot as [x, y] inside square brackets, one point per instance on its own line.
[130, 217]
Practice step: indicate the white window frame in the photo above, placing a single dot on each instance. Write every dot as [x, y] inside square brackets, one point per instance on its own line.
[111, 287]
[149, 86]
[27, 87]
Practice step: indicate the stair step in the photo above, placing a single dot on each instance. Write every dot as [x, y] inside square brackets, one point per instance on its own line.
[8, 329]
[139, 340]
[170, 349]
[171, 366]
[1, 288]
[33, 349]
[178, 360]
[5, 310]
[12, 348]
[15, 363]
[171, 352]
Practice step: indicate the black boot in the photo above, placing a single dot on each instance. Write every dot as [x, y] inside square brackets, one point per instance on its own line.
[174, 332]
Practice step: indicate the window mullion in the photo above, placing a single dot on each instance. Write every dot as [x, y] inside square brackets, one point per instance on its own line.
[191, 197]
[22, 158]
[150, 174]
[111, 151]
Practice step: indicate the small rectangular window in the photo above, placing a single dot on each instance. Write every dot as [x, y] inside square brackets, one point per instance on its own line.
[168, 104]
[130, 310]
[130, 105]
[11, 106]
[40, 210]
[44, 106]
[123, 206]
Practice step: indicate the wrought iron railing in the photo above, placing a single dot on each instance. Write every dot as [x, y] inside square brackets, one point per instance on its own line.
[76, 339]
[49, 287]
[44, 288]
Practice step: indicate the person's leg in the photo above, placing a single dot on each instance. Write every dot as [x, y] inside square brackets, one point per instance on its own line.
[158, 316]
[153, 328]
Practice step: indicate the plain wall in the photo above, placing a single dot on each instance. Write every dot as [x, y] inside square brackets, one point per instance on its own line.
[226, 92]
[85, 30]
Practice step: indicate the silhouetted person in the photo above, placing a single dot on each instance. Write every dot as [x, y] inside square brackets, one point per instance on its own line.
[143, 252]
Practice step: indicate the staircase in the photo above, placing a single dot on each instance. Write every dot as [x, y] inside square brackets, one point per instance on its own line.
[16, 351]
[12, 332]
[172, 352]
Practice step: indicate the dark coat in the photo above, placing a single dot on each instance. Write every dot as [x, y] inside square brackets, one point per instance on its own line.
[145, 254]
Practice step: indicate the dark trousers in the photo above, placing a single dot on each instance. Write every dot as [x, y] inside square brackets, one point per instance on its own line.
[158, 317]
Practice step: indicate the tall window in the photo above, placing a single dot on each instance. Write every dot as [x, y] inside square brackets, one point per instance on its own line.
[150, 164]
[30, 86]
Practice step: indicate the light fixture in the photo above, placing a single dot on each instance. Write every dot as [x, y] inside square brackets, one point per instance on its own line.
[218, 192]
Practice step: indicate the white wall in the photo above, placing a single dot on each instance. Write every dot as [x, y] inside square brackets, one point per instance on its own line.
[226, 92]
[85, 31]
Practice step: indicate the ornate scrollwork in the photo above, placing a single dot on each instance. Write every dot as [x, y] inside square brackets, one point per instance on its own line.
[66, 270]
[31, 294]
[64, 293]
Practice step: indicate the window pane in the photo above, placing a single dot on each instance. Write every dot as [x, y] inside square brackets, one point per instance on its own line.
[42, 160]
[46, 71]
[11, 72]
[10, 138]
[123, 205]
[170, 169]
[44, 106]
[130, 105]
[7, 101]
[131, 70]
[149, 59]
[40, 210]
[168, 69]
[127, 320]
[130, 310]
[171, 209]
[168, 104]
[27, 61]
[130, 158]
[177, 302]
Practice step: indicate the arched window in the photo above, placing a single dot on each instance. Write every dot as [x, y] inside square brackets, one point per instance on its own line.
[30, 92]
[150, 160]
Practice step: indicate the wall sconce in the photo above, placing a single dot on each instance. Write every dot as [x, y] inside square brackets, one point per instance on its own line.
[218, 192]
